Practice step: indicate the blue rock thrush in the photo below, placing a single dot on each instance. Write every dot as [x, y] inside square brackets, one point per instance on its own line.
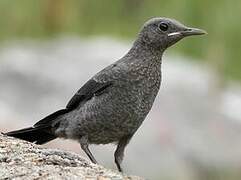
[112, 105]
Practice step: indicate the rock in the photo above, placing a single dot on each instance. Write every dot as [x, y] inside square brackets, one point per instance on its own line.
[23, 160]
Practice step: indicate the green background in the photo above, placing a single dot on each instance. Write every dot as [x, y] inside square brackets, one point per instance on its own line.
[122, 19]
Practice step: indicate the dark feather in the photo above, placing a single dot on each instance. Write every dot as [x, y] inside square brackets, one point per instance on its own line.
[39, 135]
[86, 92]
[48, 119]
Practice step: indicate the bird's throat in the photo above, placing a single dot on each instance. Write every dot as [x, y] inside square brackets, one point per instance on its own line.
[144, 51]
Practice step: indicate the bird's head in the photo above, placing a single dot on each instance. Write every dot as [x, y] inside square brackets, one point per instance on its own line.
[161, 33]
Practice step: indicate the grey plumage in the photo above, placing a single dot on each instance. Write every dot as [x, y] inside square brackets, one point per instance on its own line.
[112, 105]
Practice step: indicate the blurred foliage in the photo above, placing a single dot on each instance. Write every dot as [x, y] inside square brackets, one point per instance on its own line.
[123, 18]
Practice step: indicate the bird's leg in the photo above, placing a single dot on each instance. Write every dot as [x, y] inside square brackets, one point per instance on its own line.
[85, 146]
[119, 152]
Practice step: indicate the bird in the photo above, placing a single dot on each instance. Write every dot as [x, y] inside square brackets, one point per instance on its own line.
[111, 106]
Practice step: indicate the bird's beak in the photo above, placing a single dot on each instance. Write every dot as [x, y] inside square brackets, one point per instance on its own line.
[192, 32]
[188, 32]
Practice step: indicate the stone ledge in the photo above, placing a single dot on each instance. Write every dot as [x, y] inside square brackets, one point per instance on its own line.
[23, 160]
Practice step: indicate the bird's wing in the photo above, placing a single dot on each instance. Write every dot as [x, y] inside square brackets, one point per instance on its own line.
[86, 92]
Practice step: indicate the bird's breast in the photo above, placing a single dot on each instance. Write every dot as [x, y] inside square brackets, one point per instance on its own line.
[121, 109]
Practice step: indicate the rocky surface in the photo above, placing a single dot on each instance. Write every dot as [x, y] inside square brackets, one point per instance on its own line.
[23, 160]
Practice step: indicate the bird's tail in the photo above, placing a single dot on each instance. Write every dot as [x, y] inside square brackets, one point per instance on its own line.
[38, 135]
[42, 132]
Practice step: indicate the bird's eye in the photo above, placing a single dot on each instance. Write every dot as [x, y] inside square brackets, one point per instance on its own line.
[163, 26]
